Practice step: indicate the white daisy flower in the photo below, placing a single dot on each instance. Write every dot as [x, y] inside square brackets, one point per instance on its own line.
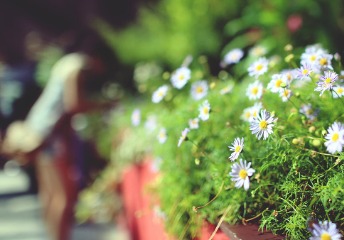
[199, 89]
[338, 91]
[162, 136]
[255, 109]
[304, 71]
[318, 58]
[259, 67]
[262, 125]
[180, 77]
[335, 138]
[307, 110]
[240, 174]
[290, 75]
[159, 94]
[326, 82]
[184, 136]
[236, 147]
[324, 61]
[258, 51]
[226, 89]
[325, 231]
[251, 112]
[204, 111]
[277, 83]
[151, 123]
[254, 90]
[247, 115]
[285, 94]
[233, 56]
[312, 56]
[136, 117]
[311, 59]
[194, 123]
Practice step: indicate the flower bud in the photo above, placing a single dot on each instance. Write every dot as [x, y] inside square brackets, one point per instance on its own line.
[166, 75]
[337, 57]
[316, 142]
[283, 85]
[311, 129]
[289, 58]
[223, 75]
[288, 47]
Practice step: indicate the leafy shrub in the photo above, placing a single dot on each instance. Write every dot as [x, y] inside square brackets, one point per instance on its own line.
[297, 177]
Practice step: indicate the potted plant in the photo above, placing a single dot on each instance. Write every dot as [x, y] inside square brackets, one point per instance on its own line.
[262, 147]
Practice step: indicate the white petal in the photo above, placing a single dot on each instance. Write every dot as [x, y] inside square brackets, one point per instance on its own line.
[246, 183]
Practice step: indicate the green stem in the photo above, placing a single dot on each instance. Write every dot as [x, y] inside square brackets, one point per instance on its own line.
[331, 90]
[245, 221]
[321, 153]
[213, 199]
[289, 100]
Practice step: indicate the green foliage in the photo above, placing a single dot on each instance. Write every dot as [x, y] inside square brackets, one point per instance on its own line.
[172, 29]
[295, 177]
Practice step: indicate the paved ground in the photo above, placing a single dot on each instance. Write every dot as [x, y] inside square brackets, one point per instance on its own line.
[20, 215]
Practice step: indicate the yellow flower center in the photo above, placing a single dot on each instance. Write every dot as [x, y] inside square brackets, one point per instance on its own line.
[285, 93]
[305, 71]
[323, 61]
[258, 51]
[254, 114]
[234, 56]
[289, 77]
[237, 149]
[160, 94]
[199, 89]
[259, 67]
[313, 58]
[335, 137]
[247, 114]
[263, 124]
[254, 90]
[181, 77]
[278, 83]
[340, 90]
[205, 110]
[328, 80]
[243, 174]
[325, 236]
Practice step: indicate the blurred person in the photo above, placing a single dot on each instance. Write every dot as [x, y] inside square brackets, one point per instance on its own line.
[18, 92]
[47, 138]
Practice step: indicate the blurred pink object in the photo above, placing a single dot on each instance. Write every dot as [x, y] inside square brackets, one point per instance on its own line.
[294, 22]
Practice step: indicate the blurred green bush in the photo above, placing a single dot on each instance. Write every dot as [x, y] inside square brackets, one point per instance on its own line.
[171, 29]
[306, 177]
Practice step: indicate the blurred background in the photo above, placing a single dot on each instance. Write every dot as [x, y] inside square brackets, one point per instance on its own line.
[135, 39]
